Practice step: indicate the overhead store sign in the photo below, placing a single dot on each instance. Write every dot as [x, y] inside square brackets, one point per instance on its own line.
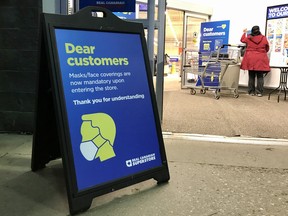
[112, 5]
[279, 11]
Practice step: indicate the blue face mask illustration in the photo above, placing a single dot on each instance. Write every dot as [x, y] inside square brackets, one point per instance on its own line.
[98, 132]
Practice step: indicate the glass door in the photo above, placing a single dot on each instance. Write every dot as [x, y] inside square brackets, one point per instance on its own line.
[190, 47]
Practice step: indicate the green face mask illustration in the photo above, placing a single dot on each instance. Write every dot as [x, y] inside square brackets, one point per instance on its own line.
[98, 132]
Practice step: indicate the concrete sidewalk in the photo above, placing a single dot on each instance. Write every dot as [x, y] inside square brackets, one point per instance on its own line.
[226, 157]
[207, 178]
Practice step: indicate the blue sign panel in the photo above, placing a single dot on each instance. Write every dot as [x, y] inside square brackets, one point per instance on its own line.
[108, 104]
[213, 35]
[125, 15]
[143, 7]
[212, 76]
[279, 11]
[114, 6]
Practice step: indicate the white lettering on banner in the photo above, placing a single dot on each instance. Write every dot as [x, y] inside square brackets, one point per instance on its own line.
[79, 75]
[208, 29]
[96, 82]
[277, 9]
[214, 34]
[115, 2]
[209, 32]
[82, 90]
[103, 99]
[140, 160]
[82, 102]
[97, 100]
[278, 12]
[128, 97]
[97, 75]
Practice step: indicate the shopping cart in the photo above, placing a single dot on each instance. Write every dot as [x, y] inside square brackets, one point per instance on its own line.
[217, 70]
[193, 69]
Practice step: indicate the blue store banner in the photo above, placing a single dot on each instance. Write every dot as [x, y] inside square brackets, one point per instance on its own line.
[213, 35]
[277, 34]
[114, 6]
[108, 102]
[96, 107]
[125, 15]
[279, 11]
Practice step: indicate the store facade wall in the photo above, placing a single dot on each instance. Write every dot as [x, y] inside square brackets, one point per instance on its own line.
[182, 24]
[18, 66]
[183, 21]
[19, 55]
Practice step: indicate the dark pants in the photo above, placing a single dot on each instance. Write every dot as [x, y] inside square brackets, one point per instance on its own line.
[260, 82]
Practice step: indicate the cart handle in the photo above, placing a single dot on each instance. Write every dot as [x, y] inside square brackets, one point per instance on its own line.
[232, 45]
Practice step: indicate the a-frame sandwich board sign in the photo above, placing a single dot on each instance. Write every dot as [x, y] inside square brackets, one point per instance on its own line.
[96, 107]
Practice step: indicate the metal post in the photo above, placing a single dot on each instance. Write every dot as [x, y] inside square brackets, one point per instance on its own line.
[160, 57]
[150, 37]
[63, 7]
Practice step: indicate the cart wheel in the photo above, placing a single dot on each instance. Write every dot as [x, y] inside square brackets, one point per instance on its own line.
[192, 91]
[202, 91]
[236, 95]
[217, 97]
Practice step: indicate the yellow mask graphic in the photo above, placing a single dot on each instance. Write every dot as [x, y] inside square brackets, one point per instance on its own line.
[98, 132]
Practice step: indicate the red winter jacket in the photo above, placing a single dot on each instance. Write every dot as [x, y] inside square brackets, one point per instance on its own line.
[255, 57]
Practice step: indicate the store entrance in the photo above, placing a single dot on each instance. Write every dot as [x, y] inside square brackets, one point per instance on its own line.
[190, 48]
[181, 42]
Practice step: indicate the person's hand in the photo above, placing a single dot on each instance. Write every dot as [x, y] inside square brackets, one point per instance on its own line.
[245, 30]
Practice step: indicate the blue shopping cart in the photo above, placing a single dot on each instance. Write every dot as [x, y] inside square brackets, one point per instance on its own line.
[218, 70]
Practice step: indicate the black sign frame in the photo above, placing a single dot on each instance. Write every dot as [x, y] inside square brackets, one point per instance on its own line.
[51, 138]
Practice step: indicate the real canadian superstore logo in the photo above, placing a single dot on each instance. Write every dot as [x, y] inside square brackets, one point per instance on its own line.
[140, 160]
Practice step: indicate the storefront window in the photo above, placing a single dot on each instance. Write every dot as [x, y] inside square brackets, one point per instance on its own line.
[173, 39]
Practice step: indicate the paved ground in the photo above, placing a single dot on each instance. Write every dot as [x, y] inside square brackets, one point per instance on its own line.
[207, 178]
[230, 173]
[202, 114]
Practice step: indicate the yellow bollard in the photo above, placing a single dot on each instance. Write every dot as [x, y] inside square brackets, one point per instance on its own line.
[173, 68]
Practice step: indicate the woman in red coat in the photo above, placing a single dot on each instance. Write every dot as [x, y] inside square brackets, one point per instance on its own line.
[255, 59]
